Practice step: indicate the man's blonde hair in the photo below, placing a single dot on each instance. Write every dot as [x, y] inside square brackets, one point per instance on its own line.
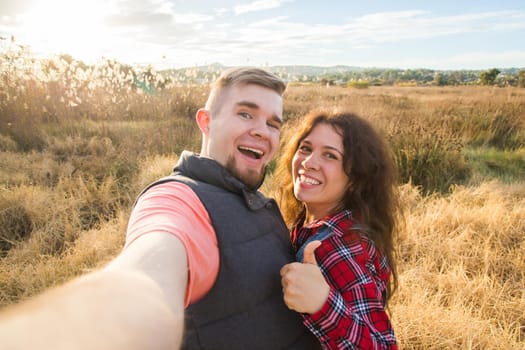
[241, 76]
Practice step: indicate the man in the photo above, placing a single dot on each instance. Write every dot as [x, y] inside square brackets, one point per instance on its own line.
[202, 244]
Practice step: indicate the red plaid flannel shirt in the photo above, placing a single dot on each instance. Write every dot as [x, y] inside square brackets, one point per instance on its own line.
[353, 316]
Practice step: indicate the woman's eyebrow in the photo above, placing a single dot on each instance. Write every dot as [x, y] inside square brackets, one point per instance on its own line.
[324, 146]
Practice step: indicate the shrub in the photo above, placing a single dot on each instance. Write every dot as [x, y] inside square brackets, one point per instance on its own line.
[494, 129]
[15, 222]
[7, 144]
[358, 84]
[429, 159]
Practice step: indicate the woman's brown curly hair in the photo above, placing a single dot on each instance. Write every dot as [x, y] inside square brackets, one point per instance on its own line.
[369, 164]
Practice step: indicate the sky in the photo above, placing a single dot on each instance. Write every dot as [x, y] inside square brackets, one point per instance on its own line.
[403, 34]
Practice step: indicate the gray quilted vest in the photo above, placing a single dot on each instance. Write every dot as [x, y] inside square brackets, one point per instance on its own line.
[244, 309]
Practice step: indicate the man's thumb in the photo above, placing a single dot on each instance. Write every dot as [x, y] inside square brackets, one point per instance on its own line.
[309, 252]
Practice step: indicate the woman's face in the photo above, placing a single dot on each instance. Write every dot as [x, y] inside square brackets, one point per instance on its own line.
[320, 181]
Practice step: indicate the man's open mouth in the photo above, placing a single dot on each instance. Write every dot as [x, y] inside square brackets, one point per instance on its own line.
[251, 152]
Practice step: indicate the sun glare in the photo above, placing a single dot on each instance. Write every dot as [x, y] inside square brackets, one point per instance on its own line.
[62, 26]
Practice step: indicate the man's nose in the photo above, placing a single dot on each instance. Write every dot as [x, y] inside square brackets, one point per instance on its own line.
[260, 129]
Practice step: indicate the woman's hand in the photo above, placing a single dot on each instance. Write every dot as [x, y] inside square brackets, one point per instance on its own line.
[304, 286]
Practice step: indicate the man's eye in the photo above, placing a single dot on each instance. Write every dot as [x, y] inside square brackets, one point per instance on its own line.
[275, 126]
[245, 115]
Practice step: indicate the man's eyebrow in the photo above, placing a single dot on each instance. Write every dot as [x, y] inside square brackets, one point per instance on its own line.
[248, 104]
[276, 119]
[254, 105]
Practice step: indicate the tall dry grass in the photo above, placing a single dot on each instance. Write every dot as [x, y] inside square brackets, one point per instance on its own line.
[34, 265]
[78, 143]
[431, 129]
[462, 269]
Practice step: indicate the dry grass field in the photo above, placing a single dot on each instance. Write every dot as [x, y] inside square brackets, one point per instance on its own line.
[78, 143]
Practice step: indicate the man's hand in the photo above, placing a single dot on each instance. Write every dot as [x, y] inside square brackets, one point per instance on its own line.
[304, 286]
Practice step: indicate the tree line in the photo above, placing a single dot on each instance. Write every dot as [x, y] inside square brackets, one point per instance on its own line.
[376, 77]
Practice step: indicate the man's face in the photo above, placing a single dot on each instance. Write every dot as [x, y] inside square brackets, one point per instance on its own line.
[244, 133]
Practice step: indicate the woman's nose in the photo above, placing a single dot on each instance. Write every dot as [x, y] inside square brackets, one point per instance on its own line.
[310, 162]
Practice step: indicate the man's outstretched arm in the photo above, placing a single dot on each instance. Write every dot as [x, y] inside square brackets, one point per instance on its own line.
[136, 302]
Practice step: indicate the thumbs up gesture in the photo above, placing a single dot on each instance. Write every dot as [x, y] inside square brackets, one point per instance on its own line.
[304, 286]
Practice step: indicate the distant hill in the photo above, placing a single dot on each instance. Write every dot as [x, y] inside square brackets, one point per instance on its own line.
[320, 70]
[342, 74]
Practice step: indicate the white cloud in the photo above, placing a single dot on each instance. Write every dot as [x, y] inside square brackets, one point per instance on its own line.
[485, 60]
[258, 5]
[154, 22]
[219, 12]
[15, 7]
[406, 25]
[188, 18]
[370, 30]
[471, 60]
[277, 38]
[134, 30]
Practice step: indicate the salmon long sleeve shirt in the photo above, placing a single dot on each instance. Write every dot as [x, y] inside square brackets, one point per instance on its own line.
[173, 208]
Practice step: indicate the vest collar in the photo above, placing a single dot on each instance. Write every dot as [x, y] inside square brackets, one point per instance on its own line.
[210, 171]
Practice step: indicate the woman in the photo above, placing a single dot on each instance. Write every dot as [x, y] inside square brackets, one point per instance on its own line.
[337, 189]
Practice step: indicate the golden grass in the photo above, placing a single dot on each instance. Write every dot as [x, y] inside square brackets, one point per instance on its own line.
[462, 269]
[24, 272]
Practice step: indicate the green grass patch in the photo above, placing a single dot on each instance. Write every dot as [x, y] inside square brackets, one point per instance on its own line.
[491, 163]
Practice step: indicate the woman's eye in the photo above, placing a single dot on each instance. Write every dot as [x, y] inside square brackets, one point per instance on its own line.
[331, 156]
[245, 115]
[304, 149]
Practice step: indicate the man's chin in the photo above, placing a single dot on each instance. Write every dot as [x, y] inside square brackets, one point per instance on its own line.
[252, 178]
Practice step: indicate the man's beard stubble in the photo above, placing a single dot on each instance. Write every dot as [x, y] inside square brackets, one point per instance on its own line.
[251, 178]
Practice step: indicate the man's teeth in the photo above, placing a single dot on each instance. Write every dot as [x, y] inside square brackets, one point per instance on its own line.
[309, 180]
[256, 152]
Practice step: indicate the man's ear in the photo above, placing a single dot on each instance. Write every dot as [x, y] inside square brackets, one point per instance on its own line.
[203, 120]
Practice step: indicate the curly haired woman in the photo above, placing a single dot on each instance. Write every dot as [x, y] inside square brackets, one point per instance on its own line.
[337, 183]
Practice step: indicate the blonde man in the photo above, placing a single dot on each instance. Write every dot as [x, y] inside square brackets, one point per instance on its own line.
[200, 268]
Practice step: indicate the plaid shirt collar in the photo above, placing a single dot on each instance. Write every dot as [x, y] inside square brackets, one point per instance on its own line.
[332, 221]
[337, 222]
